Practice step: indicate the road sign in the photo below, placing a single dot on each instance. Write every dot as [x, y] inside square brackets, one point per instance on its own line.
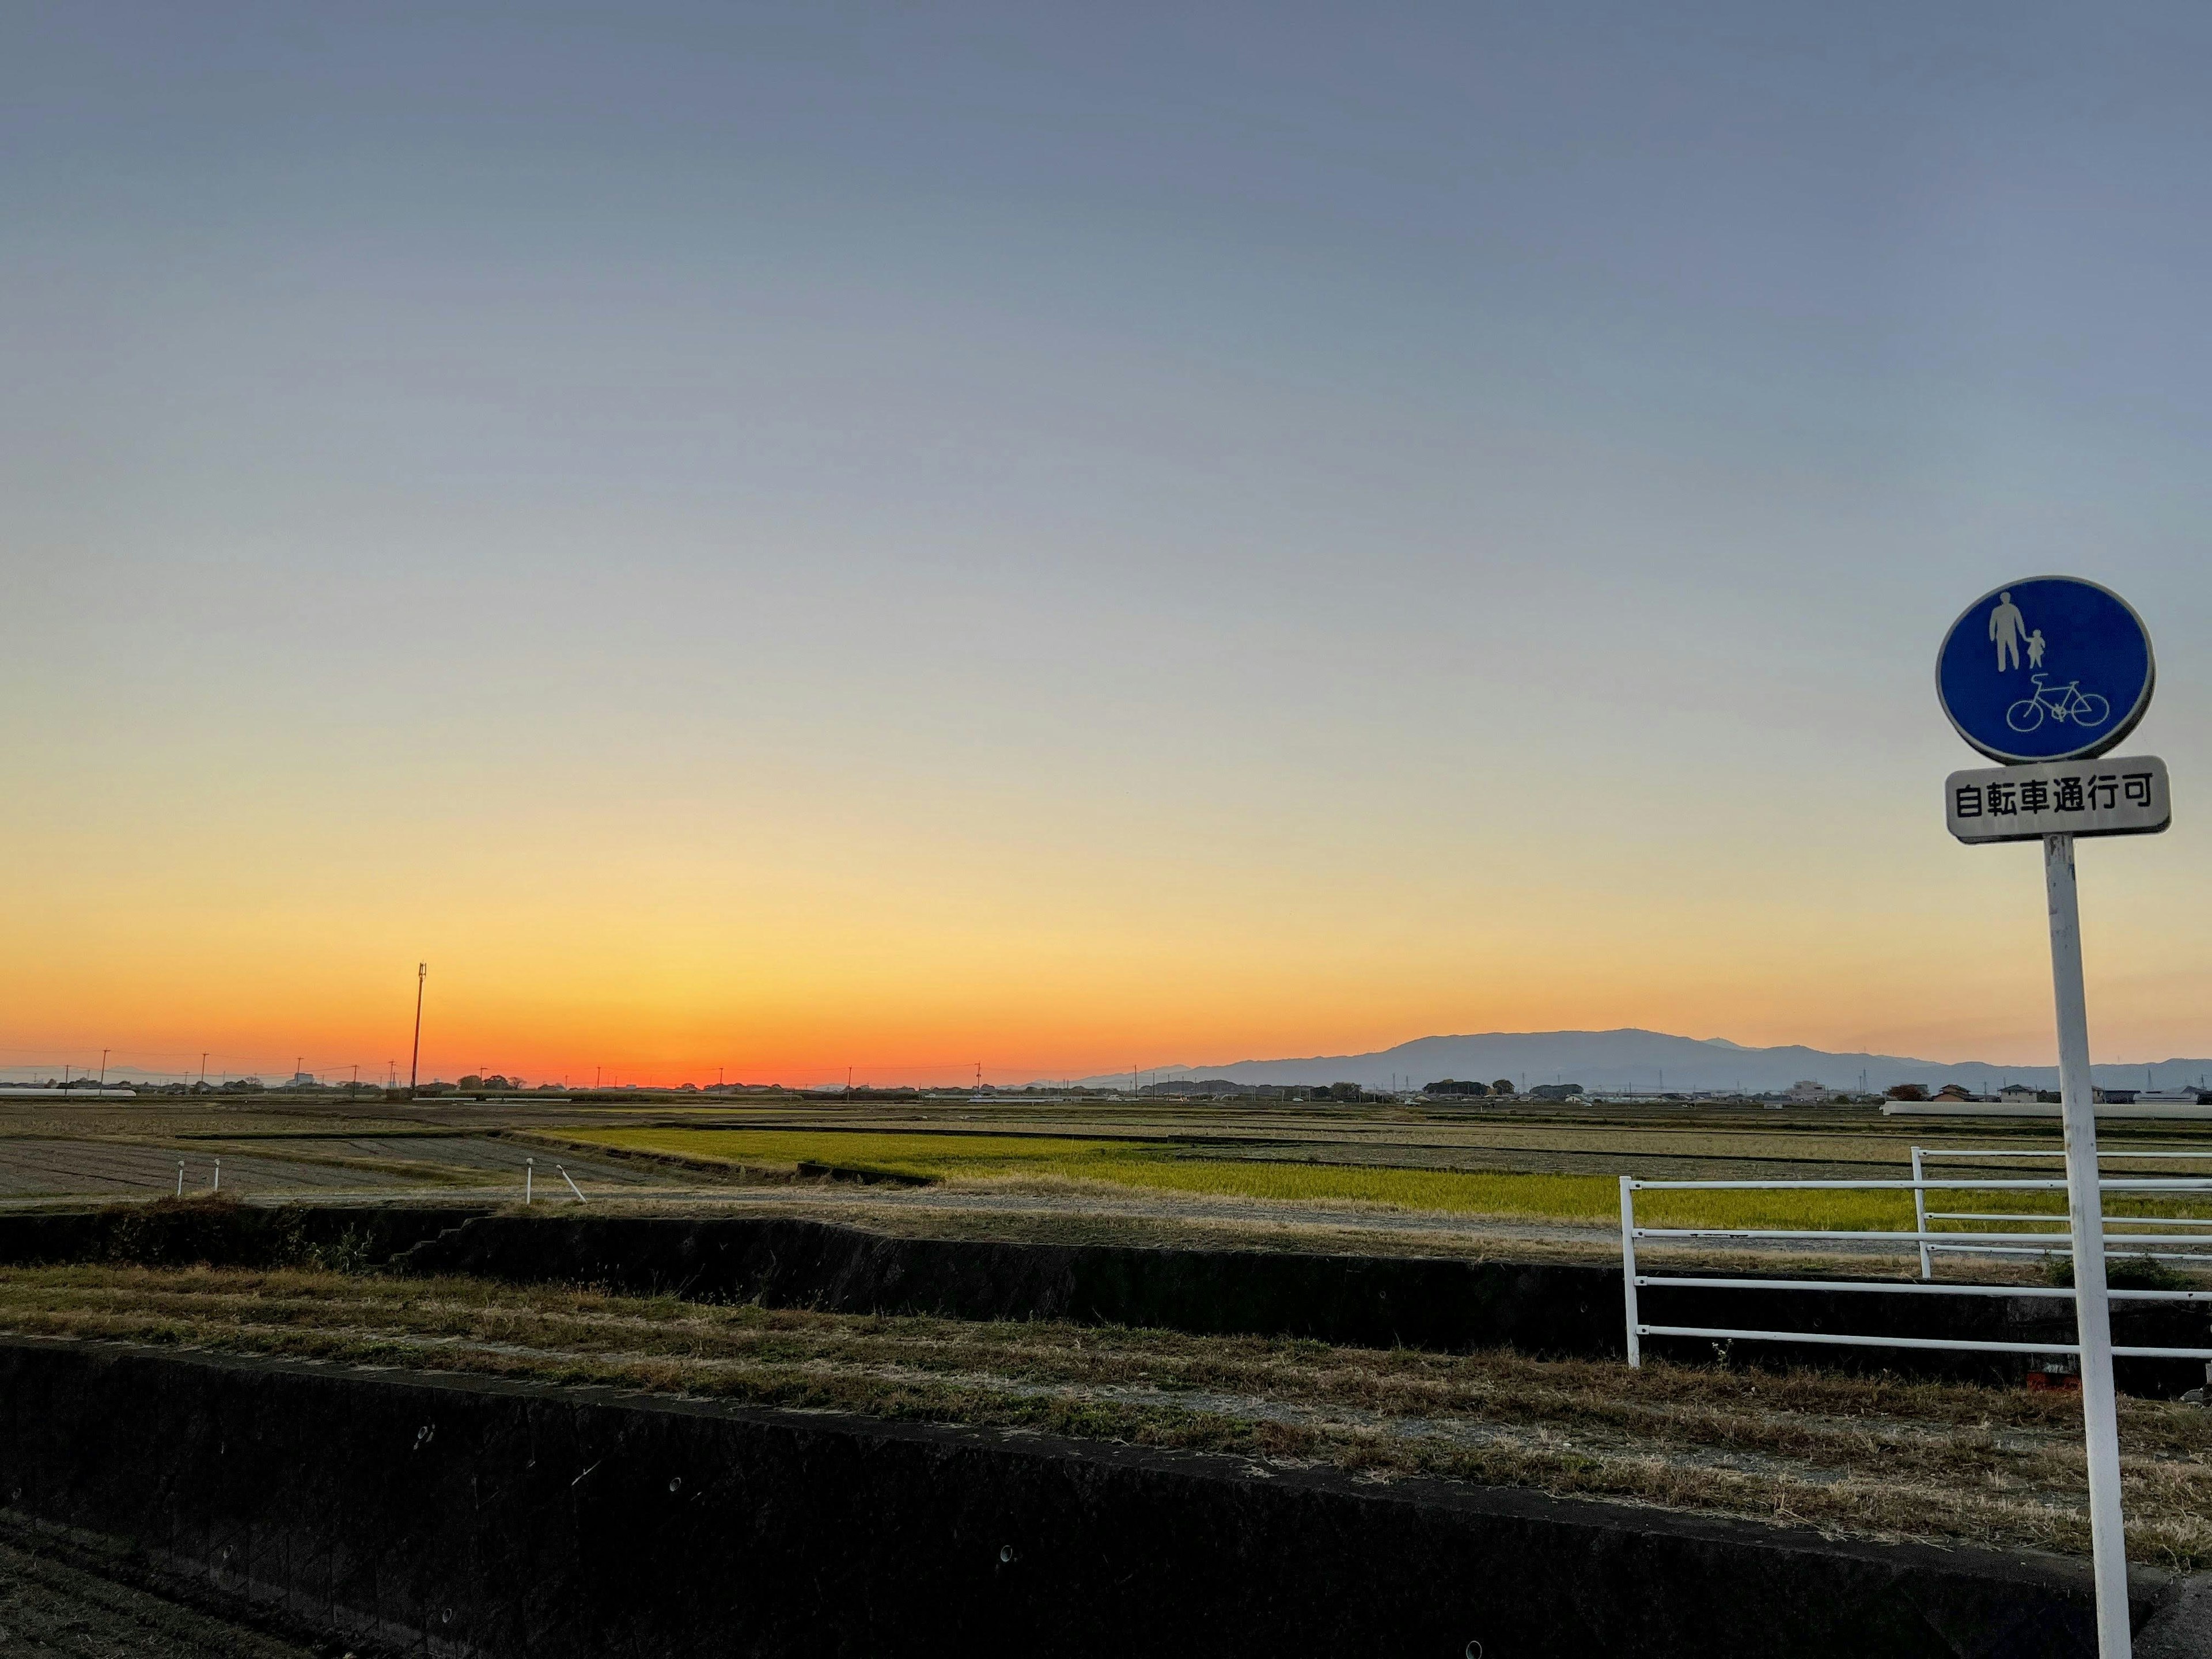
[2057, 671]
[2047, 668]
[2123, 796]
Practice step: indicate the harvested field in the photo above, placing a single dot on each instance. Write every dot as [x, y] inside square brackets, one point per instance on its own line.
[1865, 1456]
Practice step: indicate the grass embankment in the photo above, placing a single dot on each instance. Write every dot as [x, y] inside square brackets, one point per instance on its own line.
[1165, 1166]
[1871, 1456]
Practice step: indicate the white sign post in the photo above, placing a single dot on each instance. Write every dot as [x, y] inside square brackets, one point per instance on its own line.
[2085, 1211]
[2052, 787]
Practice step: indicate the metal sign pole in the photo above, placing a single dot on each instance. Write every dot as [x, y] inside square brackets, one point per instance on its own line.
[2085, 1212]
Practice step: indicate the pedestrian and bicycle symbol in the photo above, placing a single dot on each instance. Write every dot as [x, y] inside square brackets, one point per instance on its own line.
[2047, 668]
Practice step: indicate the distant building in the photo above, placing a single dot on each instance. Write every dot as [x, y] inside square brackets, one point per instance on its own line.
[1201, 1088]
[2014, 1094]
[1555, 1091]
[1807, 1089]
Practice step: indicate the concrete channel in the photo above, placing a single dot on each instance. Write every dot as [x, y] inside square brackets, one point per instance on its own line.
[460, 1517]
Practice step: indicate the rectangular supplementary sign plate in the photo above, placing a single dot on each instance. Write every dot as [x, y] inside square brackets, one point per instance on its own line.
[2108, 796]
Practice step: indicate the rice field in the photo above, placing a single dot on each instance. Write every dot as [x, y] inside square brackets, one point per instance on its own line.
[1166, 1166]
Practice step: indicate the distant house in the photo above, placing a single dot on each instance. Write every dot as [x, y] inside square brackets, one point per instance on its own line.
[2014, 1094]
[1807, 1089]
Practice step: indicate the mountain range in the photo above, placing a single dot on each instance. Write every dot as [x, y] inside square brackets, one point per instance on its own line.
[1649, 1060]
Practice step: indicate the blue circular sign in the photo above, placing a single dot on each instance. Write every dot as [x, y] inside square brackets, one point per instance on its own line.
[2047, 668]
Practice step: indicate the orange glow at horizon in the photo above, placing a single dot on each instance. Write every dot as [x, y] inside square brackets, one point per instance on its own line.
[819, 943]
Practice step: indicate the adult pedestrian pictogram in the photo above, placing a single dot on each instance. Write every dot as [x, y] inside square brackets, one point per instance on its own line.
[2047, 668]
[2006, 627]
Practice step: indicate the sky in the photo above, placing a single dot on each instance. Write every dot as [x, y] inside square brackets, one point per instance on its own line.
[779, 538]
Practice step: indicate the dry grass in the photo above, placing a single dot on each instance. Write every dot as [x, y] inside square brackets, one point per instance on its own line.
[1867, 1455]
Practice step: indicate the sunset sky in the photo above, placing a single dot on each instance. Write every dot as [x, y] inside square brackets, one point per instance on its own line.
[784, 538]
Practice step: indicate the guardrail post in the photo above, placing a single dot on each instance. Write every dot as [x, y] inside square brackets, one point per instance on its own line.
[1628, 1268]
[1920, 1216]
[529, 1169]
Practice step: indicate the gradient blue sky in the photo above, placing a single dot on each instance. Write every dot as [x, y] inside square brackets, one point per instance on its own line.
[789, 537]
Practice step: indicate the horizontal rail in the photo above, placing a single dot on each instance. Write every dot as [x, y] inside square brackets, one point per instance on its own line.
[2064, 1249]
[2055, 1184]
[1916, 1287]
[1958, 1345]
[2103, 1153]
[1899, 1237]
[2145, 1221]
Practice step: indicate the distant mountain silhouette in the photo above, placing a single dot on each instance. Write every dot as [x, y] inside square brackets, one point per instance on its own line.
[1637, 1059]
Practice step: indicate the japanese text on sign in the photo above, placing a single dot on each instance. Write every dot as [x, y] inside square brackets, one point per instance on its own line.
[2102, 798]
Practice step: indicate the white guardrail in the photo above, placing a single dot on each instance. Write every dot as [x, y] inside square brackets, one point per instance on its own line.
[1929, 1237]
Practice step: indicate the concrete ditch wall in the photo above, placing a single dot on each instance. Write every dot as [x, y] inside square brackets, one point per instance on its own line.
[1448, 1303]
[224, 1233]
[458, 1517]
[1369, 1301]
[1551, 1309]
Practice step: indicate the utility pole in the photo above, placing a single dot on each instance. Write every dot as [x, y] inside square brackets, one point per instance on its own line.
[103, 1068]
[203, 1068]
[414, 1064]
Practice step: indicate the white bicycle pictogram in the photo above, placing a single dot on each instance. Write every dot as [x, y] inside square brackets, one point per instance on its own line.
[2058, 703]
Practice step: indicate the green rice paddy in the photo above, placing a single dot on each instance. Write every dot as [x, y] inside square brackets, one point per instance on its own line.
[1167, 1167]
